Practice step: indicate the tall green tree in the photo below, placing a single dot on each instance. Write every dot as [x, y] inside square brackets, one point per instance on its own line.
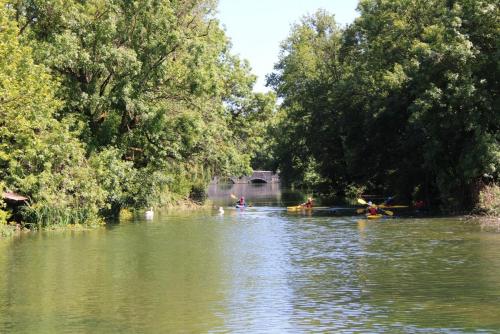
[110, 104]
[404, 104]
[39, 155]
[430, 62]
[303, 79]
[153, 82]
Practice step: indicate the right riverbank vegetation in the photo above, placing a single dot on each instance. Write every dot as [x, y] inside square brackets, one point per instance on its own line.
[115, 104]
[403, 102]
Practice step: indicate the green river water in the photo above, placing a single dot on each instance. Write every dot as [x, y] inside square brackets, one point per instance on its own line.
[257, 270]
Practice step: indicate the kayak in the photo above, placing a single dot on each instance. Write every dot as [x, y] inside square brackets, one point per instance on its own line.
[238, 206]
[383, 206]
[297, 208]
[377, 216]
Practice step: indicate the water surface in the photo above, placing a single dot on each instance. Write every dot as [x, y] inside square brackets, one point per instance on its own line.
[252, 271]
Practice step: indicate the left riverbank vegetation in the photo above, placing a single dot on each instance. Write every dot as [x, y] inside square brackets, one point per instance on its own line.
[404, 101]
[117, 104]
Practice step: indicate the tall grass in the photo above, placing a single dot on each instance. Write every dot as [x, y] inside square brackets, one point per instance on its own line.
[42, 215]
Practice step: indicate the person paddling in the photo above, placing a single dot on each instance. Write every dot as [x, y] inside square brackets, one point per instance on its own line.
[389, 201]
[241, 201]
[308, 204]
[372, 209]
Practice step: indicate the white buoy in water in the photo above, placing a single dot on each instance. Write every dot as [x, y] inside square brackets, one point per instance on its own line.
[150, 213]
[221, 210]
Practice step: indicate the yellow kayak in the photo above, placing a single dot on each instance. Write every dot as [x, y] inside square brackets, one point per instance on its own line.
[297, 208]
[377, 216]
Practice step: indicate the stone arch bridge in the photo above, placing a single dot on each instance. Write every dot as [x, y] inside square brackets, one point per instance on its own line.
[258, 176]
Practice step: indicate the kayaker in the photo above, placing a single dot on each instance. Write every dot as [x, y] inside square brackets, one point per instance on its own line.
[372, 209]
[389, 201]
[419, 205]
[241, 201]
[308, 204]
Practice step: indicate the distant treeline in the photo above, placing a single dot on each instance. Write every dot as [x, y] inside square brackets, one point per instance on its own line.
[404, 101]
[112, 104]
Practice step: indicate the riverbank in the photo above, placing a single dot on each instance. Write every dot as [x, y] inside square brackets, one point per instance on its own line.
[12, 229]
[128, 215]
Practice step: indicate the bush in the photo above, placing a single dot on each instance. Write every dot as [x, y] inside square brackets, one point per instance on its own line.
[353, 192]
[489, 200]
[4, 215]
[6, 230]
[198, 193]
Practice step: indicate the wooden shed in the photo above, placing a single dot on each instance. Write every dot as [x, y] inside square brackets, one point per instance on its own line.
[13, 197]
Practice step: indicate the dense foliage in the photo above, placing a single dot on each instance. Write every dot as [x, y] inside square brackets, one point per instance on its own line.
[111, 104]
[402, 102]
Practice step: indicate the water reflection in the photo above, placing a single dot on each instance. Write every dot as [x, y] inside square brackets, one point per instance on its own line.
[259, 194]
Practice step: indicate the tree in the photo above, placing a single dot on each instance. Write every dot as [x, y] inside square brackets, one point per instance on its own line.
[39, 156]
[152, 91]
[403, 101]
[303, 79]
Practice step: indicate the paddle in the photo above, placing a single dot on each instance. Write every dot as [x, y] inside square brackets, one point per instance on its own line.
[233, 196]
[362, 202]
[387, 212]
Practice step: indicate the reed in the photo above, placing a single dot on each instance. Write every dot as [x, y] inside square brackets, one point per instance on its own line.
[44, 215]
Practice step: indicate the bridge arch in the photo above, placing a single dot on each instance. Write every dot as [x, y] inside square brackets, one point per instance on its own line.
[258, 176]
[258, 180]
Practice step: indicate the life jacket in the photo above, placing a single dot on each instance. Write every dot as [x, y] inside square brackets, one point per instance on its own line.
[372, 210]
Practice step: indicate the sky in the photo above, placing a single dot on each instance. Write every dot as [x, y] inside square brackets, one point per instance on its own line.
[257, 27]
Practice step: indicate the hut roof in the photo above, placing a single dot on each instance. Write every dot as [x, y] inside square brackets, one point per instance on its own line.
[13, 197]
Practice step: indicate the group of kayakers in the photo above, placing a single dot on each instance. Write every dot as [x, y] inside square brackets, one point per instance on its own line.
[371, 208]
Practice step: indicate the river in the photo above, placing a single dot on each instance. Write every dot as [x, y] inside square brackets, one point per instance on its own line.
[257, 270]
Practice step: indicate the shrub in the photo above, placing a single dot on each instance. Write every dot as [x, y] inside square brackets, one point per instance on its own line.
[489, 199]
[353, 192]
[198, 193]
